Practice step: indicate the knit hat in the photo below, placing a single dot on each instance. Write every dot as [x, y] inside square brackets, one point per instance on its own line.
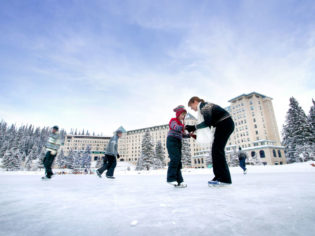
[56, 127]
[179, 110]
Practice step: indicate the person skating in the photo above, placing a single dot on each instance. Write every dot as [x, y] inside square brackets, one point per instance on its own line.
[52, 146]
[242, 158]
[219, 118]
[111, 153]
[174, 147]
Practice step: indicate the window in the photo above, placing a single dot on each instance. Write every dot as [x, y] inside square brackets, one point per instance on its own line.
[95, 158]
[253, 153]
[279, 153]
[274, 153]
[262, 154]
[255, 126]
[256, 133]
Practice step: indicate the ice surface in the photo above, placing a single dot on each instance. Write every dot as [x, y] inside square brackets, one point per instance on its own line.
[267, 201]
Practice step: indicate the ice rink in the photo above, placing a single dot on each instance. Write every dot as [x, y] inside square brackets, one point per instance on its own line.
[266, 201]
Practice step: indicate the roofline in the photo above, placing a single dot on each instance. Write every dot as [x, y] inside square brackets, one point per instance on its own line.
[247, 95]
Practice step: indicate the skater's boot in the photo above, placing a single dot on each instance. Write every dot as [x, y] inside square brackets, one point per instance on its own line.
[110, 177]
[245, 171]
[45, 178]
[98, 173]
[181, 185]
[216, 183]
[173, 183]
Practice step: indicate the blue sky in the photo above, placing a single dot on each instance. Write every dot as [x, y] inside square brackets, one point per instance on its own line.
[101, 64]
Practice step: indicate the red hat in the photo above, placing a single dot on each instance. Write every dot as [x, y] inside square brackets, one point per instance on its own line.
[179, 110]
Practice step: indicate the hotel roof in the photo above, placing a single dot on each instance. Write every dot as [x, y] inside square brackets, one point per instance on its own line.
[248, 95]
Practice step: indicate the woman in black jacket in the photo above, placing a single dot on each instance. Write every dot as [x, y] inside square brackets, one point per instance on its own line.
[219, 118]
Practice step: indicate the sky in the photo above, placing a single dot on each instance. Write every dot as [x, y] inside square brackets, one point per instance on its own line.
[98, 65]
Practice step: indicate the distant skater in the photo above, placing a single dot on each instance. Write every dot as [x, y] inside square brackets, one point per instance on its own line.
[111, 153]
[242, 158]
[52, 146]
[219, 118]
[174, 147]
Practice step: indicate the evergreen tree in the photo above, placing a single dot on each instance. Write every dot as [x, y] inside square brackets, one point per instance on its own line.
[186, 153]
[28, 164]
[40, 160]
[11, 160]
[99, 162]
[311, 121]
[86, 158]
[140, 165]
[147, 152]
[159, 154]
[61, 162]
[70, 160]
[296, 133]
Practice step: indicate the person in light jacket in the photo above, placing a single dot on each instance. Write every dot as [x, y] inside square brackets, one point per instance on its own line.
[52, 146]
[111, 153]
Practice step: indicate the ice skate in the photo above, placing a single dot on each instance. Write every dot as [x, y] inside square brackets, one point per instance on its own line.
[173, 183]
[214, 183]
[110, 177]
[45, 178]
[181, 185]
[98, 173]
[245, 172]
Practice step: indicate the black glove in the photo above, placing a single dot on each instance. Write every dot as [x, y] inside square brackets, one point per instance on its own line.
[190, 128]
[118, 156]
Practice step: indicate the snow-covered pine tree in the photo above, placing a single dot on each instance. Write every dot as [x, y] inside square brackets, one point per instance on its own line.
[86, 157]
[234, 158]
[40, 158]
[186, 152]
[147, 152]
[139, 165]
[61, 162]
[296, 132]
[28, 164]
[99, 162]
[159, 154]
[311, 121]
[77, 160]
[11, 160]
[69, 160]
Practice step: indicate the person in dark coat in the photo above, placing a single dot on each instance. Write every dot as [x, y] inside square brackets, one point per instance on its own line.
[111, 153]
[174, 147]
[52, 146]
[242, 158]
[219, 118]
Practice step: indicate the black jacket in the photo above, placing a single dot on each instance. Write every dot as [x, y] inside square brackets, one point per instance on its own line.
[212, 114]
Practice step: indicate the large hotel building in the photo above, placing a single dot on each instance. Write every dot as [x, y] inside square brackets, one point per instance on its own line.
[255, 131]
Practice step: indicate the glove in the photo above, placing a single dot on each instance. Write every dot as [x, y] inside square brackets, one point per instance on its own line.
[190, 128]
[193, 136]
[118, 156]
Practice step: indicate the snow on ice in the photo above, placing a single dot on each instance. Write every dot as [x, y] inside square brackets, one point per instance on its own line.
[269, 200]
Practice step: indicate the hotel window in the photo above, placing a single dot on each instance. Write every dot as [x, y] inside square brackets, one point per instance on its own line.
[262, 154]
[279, 154]
[253, 153]
[274, 153]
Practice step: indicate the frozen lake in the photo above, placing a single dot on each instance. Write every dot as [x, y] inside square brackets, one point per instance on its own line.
[260, 203]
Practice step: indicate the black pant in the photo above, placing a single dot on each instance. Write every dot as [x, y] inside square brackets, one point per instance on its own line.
[243, 163]
[174, 148]
[48, 161]
[222, 133]
[109, 164]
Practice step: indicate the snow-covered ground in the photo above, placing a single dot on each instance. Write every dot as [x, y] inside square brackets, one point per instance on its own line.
[270, 200]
